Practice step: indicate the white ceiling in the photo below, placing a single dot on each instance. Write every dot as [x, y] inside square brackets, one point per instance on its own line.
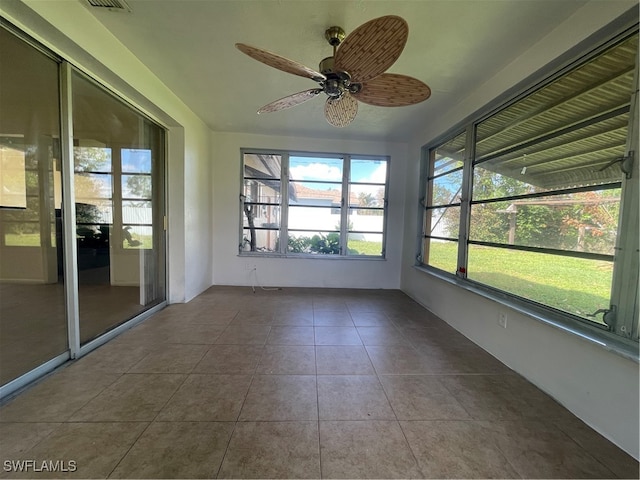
[454, 46]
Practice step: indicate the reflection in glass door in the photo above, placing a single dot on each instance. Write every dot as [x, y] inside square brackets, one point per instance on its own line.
[118, 181]
[33, 326]
[112, 170]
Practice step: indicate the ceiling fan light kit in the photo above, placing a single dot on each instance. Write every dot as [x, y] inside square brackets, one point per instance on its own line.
[354, 73]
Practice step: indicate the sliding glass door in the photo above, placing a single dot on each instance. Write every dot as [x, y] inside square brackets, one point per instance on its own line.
[118, 182]
[75, 262]
[33, 326]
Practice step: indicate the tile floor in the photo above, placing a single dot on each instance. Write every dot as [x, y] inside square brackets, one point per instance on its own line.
[41, 311]
[296, 383]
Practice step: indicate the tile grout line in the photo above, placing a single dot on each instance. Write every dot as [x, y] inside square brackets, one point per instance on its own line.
[561, 430]
[235, 423]
[186, 376]
[315, 350]
[124, 455]
[315, 356]
[395, 414]
[149, 423]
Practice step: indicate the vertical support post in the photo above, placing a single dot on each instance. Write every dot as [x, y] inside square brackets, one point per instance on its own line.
[46, 208]
[69, 211]
[385, 213]
[465, 205]
[625, 292]
[284, 202]
[424, 194]
[346, 203]
[512, 225]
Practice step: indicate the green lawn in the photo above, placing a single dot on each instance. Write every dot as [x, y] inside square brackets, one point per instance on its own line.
[365, 248]
[146, 242]
[574, 285]
[22, 239]
[33, 240]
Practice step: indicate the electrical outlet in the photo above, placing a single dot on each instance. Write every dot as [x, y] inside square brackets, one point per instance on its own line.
[502, 319]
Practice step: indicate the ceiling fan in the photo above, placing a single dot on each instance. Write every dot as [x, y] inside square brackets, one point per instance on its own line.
[354, 73]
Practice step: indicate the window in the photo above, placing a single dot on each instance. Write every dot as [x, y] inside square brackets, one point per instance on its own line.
[536, 208]
[323, 205]
[367, 194]
[442, 212]
[13, 178]
[261, 202]
[137, 198]
[20, 181]
[93, 184]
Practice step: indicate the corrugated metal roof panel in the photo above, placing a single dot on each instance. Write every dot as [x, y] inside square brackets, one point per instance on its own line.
[566, 132]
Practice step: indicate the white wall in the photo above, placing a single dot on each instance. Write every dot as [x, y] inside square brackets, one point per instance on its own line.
[197, 212]
[230, 269]
[598, 386]
[63, 26]
[27, 265]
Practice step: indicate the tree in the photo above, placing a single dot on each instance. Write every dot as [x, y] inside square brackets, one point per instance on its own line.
[139, 186]
[380, 196]
[248, 211]
[583, 221]
[490, 222]
[591, 224]
[92, 159]
[446, 220]
[88, 161]
[366, 199]
[327, 244]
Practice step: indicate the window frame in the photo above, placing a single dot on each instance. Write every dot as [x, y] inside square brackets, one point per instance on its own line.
[623, 337]
[427, 197]
[345, 183]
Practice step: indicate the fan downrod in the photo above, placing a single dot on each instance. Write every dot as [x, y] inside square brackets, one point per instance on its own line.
[337, 82]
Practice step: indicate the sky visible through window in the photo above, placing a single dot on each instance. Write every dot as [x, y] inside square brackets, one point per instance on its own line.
[136, 160]
[330, 170]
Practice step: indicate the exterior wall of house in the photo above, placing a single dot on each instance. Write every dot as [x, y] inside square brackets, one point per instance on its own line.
[63, 26]
[232, 269]
[598, 386]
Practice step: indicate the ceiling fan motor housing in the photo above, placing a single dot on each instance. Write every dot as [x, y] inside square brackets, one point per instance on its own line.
[326, 66]
[337, 82]
[333, 87]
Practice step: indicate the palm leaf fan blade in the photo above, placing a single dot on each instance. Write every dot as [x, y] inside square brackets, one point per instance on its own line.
[340, 112]
[372, 48]
[281, 63]
[393, 90]
[290, 100]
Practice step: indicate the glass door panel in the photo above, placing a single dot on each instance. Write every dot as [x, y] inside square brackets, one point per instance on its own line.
[119, 184]
[33, 326]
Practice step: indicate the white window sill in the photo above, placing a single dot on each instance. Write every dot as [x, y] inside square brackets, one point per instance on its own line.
[310, 257]
[613, 343]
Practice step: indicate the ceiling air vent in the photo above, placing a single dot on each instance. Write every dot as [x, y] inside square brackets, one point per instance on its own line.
[111, 5]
